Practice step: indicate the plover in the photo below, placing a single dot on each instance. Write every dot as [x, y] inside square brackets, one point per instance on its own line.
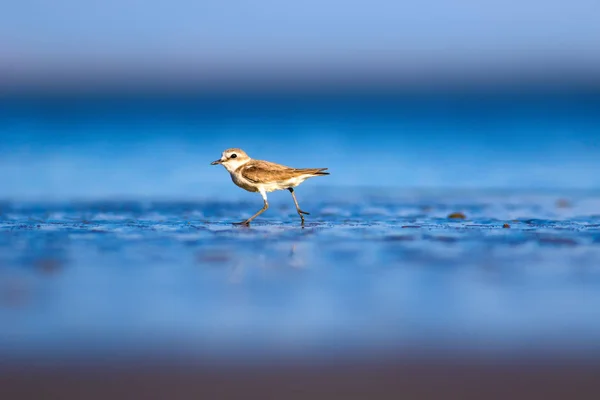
[264, 176]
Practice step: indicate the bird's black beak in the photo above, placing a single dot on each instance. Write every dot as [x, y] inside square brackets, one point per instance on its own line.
[216, 162]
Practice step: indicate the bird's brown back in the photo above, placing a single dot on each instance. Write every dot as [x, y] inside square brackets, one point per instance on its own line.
[260, 171]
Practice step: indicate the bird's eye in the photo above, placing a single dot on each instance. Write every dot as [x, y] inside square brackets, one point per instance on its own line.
[233, 156]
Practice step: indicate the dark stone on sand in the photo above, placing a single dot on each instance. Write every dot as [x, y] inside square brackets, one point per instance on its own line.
[457, 215]
[506, 226]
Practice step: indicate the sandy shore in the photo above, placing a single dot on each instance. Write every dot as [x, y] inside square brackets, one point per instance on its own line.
[412, 380]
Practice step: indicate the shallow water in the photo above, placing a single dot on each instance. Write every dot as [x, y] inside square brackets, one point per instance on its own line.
[371, 271]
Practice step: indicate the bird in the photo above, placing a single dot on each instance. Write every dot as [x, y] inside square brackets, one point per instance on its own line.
[264, 176]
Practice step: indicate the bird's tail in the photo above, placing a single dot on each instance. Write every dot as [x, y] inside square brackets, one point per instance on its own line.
[314, 171]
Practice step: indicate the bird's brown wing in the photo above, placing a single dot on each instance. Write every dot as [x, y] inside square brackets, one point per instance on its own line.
[263, 171]
[258, 171]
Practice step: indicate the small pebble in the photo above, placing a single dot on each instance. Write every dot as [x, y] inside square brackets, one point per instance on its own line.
[457, 215]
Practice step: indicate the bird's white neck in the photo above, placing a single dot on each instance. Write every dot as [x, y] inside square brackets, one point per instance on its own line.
[231, 165]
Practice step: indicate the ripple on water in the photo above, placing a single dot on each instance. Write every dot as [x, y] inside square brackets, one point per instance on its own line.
[170, 274]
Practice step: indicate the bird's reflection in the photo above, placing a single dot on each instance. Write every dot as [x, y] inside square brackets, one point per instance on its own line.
[296, 260]
[267, 261]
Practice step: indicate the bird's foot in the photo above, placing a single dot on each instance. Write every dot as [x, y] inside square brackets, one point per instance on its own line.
[243, 223]
[301, 219]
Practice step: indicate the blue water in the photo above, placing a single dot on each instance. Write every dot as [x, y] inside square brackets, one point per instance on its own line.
[116, 235]
[80, 147]
[371, 271]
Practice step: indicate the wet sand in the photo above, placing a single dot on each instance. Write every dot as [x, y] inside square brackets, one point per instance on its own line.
[552, 379]
[379, 294]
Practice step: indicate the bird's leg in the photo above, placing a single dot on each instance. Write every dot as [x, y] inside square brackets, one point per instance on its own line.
[262, 210]
[300, 212]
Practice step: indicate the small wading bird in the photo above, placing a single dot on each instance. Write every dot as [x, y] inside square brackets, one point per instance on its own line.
[264, 176]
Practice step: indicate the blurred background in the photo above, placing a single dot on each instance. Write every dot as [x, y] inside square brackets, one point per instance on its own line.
[115, 235]
[131, 98]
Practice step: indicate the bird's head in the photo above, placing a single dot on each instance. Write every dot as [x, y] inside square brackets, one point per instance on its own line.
[232, 159]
